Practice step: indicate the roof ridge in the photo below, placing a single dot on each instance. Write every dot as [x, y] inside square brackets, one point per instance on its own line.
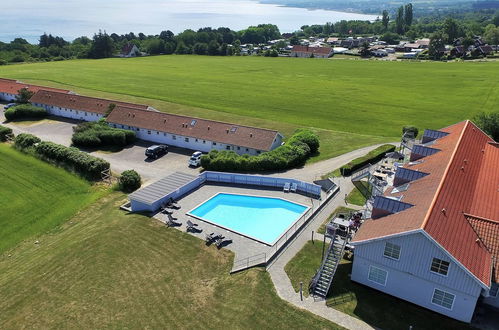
[91, 97]
[444, 176]
[481, 218]
[198, 118]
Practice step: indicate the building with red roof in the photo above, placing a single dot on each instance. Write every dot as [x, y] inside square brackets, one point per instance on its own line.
[433, 239]
[307, 51]
[9, 89]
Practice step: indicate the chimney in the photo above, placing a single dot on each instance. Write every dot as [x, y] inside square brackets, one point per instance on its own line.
[251, 135]
[208, 128]
[227, 130]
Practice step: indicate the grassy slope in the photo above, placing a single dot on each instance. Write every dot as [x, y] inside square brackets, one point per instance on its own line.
[36, 197]
[376, 308]
[365, 98]
[107, 269]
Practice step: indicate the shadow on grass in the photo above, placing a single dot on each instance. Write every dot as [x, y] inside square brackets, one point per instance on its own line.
[382, 310]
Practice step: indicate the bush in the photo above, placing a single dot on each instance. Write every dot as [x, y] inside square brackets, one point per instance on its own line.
[100, 134]
[410, 129]
[25, 111]
[73, 159]
[372, 157]
[295, 153]
[129, 181]
[4, 131]
[24, 141]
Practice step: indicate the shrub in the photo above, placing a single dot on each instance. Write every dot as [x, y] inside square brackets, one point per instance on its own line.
[73, 159]
[129, 181]
[295, 153]
[25, 111]
[25, 140]
[372, 157]
[410, 129]
[4, 131]
[99, 134]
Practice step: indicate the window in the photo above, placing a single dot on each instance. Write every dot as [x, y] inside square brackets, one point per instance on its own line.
[174, 137]
[114, 125]
[247, 149]
[157, 133]
[204, 141]
[233, 129]
[186, 139]
[214, 143]
[227, 147]
[443, 298]
[494, 290]
[439, 266]
[193, 122]
[197, 140]
[258, 152]
[164, 134]
[392, 251]
[238, 148]
[86, 114]
[377, 275]
[149, 132]
[138, 129]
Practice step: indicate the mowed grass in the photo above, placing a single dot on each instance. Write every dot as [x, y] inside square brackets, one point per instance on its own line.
[36, 197]
[370, 100]
[108, 269]
[373, 307]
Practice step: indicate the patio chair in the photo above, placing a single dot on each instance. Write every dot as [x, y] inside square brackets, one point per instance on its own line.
[287, 186]
[171, 217]
[164, 210]
[294, 186]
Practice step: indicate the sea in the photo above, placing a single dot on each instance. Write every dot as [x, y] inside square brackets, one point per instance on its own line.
[70, 19]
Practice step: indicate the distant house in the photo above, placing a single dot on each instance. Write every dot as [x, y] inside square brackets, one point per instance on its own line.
[306, 51]
[379, 53]
[76, 106]
[9, 89]
[347, 43]
[194, 133]
[333, 41]
[458, 51]
[409, 47]
[423, 43]
[484, 50]
[129, 50]
[433, 237]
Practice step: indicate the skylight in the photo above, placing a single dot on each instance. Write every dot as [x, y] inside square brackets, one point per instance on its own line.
[233, 129]
[401, 188]
[193, 122]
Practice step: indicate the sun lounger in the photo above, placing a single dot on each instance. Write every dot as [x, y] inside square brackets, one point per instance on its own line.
[212, 237]
[166, 211]
[173, 205]
[222, 242]
[171, 217]
[192, 226]
[170, 222]
[287, 186]
[294, 186]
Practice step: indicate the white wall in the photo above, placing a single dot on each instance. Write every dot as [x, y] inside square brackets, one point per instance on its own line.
[7, 97]
[70, 113]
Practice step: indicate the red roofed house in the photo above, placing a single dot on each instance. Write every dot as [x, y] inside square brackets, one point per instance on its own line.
[129, 50]
[9, 89]
[76, 106]
[194, 133]
[433, 239]
[306, 51]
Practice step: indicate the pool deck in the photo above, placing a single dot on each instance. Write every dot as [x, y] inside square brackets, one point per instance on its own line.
[243, 247]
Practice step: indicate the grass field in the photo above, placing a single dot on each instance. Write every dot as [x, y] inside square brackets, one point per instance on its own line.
[376, 308]
[108, 269]
[369, 100]
[36, 197]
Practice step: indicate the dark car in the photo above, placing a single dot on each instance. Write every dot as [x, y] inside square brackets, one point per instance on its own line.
[156, 151]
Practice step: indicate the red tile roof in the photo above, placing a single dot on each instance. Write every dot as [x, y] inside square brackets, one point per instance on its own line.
[233, 134]
[464, 178]
[13, 86]
[488, 231]
[313, 50]
[78, 102]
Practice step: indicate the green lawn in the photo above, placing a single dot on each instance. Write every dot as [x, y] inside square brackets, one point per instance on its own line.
[36, 197]
[369, 100]
[373, 307]
[358, 195]
[108, 269]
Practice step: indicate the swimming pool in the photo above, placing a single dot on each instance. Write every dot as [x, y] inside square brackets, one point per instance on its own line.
[264, 219]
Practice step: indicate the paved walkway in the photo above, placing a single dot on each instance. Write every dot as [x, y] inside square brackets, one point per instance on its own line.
[282, 282]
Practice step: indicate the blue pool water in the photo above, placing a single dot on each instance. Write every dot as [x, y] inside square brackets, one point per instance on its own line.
[262, 218]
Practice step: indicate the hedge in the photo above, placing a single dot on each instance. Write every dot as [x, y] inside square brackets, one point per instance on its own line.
[98, 134]
[25, 111]
[298, 149]
[129, 181]
[72, 158]
[4, 131]
[372, 157]
[25, 140]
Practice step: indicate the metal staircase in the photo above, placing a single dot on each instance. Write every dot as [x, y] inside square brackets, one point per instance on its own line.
[321, 282]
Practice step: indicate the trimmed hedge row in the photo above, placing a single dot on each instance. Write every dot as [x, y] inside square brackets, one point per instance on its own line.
[98, 134]
[298, 149]
[4, 131]
[372, 157]
[71, 158]
[25, 111]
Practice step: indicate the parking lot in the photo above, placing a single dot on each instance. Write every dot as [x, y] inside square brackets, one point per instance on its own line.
[60, 130]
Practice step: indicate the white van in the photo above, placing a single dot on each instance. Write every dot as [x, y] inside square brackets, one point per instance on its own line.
[195, 159]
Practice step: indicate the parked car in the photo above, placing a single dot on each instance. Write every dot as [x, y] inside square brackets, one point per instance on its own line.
[195, 159]
[10, 105]
[156, 151]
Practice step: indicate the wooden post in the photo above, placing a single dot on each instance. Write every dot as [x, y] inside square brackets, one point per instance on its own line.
[312, 237]
[301, 291]
[323, 247]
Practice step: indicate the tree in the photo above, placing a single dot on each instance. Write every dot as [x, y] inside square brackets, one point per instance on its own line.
[167, 36]
[102, 46]
[294, 40]
[452, 29]
[24, 96]
[200, 48]
[489, 123]
[495, 20]
[399, 20]
[491, 34]
[408, 15]
[182, 48]
[390, 38]
[385, 19]
[213, 48]
[364, 49]
[437, 45]
[155, 46]
[410, 131]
